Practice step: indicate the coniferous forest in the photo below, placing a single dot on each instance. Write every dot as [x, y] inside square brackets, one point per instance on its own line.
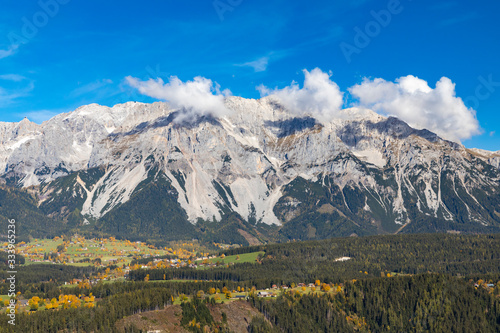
[399, 283]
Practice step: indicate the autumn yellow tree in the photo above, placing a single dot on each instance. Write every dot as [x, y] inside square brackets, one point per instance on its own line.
[33, 303]
[54, 303]
[89, 305]
[74, 301]
[64, 301]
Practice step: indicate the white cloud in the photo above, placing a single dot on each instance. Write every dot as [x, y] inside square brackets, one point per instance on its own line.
[194, 98]
[259, 65]
[413, 101]
[320, 97]
[12, 77]
[8, 96]
[10, 51]
[90, 87]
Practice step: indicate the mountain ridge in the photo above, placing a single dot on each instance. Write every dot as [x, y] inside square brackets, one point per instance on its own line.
[368, 173]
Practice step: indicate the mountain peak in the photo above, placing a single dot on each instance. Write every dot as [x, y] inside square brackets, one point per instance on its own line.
[251, 162]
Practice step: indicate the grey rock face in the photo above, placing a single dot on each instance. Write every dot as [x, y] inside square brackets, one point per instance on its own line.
[243, 161]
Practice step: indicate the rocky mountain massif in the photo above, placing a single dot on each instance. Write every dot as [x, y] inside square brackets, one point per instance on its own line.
[142, 172]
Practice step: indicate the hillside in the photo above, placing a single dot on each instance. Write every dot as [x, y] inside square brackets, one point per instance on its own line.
[433, 282]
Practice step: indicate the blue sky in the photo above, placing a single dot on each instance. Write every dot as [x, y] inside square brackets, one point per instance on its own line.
[56, 55]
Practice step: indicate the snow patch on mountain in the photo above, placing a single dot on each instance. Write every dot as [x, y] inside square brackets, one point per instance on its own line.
[372, 156]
